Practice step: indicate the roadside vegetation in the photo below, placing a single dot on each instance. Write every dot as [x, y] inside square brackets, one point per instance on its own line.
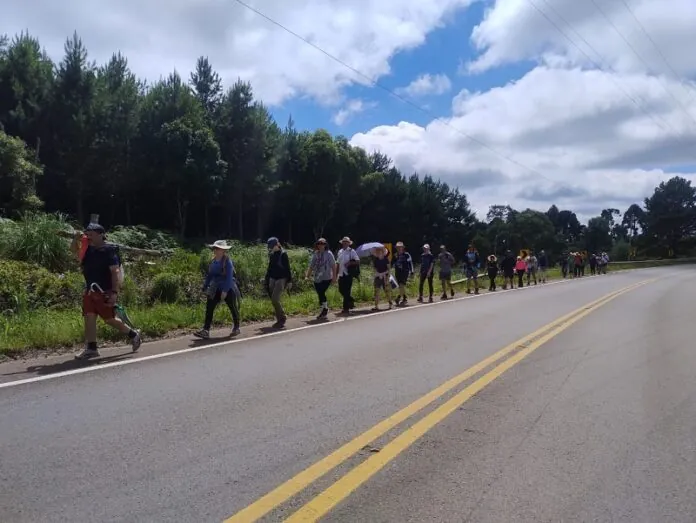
[41, 286]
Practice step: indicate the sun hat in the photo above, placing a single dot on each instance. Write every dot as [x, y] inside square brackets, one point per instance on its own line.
[320, 241]
[272, 242]
[400, 244]
[426, 246]
[220, 244]
[346, 239]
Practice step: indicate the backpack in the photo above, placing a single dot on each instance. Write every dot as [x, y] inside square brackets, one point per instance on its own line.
[117, 252]
[354, 270]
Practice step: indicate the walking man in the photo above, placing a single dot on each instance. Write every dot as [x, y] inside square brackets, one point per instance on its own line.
[403, 270]
[347, 267]
[101, 268]
[446, 262]
[473, 264]
[492, 268]
[426, 273]
[278, 278]
[532, 265]
[543, 265]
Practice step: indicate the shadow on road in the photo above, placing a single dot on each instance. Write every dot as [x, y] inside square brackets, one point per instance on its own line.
[69, 365]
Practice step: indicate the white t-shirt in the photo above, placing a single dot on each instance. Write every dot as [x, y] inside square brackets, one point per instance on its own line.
[345, 256]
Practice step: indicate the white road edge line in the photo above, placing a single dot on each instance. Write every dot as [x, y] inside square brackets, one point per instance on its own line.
[112, 364]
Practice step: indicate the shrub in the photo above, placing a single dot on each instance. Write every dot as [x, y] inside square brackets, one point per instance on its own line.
[25, 286]
[36, 238]
[165, 288]
[142, 237]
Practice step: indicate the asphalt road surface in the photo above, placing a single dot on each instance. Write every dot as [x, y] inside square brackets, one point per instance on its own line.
[587, 414]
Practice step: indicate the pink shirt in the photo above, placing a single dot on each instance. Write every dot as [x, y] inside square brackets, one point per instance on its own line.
[521, 265]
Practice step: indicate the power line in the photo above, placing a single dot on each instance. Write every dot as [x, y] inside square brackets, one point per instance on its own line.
[394, 94]
[686, 87]
[593, 62]
[647, 66]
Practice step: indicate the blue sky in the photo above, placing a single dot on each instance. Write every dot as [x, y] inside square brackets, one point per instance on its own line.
[443, 52]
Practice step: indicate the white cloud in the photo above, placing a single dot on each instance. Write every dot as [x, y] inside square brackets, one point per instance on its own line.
[586, 138]
[564, 136]
[351, 108]
[158, 37]
[427, 84]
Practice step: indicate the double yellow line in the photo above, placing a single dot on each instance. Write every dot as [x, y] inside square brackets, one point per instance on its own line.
[321, 504]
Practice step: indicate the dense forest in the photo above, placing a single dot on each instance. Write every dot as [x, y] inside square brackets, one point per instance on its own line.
[187, 155]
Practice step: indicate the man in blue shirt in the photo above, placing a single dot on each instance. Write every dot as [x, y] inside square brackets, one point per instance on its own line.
[472, 262]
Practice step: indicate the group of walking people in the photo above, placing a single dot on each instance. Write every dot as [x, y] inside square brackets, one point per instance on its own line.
[103, 272]
[392, 273]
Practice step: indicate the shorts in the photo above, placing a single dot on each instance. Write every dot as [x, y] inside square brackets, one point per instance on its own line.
[96, 303]
[401, 278]
[380, 283]
[471, 273]
[445, 276]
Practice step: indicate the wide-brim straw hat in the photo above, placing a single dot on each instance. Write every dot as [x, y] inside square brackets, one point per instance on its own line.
[220, 244]
[346, 239]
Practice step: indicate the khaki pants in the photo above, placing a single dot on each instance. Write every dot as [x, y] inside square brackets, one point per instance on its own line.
[275, 289]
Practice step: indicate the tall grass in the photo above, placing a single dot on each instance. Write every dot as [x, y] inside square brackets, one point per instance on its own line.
[36, 238]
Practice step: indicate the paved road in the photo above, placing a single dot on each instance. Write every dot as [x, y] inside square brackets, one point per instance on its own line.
[597, 424]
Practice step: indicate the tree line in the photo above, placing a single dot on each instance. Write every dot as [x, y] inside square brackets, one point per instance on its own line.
[190, 156]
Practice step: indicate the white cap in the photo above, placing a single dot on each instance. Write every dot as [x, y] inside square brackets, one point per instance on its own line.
[426, 246]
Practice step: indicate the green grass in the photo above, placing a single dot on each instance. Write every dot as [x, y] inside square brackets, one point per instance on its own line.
[50, 328]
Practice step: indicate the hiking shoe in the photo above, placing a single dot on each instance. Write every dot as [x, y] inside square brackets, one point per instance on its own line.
[452, 293]
[443, 297]
[136, 341]
[323, 314]
[430, 300]
[87, 354]
[420, 299]
[476, 291]
[202, 334]
[468, 291]
[279, 324]
[235, 331]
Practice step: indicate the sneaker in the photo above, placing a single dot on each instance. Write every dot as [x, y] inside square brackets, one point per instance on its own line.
[136, 341]
[202, 334]
[235, 331]
[87, 354]
[452, 293]
[476, 291]
[443, 297]
[420, 299]
[397, 300]
[430, 300]
[323, 314]
[468, 291]
[279, 324]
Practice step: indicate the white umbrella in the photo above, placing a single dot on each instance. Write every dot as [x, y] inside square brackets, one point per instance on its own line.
[366, 248]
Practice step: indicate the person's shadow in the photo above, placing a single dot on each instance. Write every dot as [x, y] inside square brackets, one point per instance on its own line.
[73, 364]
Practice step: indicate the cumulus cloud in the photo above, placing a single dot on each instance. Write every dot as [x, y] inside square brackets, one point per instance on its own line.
[566, 132]
[158, 37]
[427, 84]
[351, 108]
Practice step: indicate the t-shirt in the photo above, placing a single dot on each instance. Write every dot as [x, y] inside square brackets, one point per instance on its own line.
[381, 265]
[322, 264]
[96, 266]
[472, 260]
[446, 261]
[427, 261]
